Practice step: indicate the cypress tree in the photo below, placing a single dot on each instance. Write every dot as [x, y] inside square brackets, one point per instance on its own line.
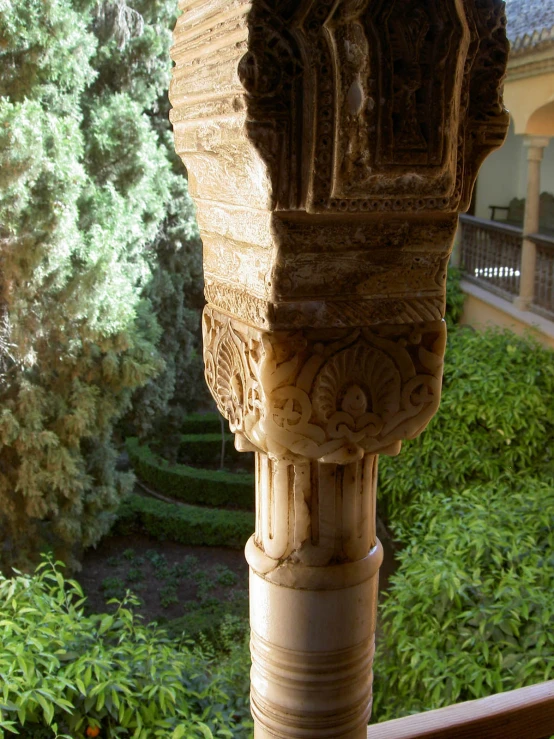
[87, 203]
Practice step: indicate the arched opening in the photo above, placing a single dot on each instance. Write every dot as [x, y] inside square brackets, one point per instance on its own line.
[541, 123]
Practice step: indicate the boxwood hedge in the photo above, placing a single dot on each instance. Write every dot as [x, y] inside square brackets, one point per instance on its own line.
[190, 484]
[204, 423]
[185, 524]
[201, 450]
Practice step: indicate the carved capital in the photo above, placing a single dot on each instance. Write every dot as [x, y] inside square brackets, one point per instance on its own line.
[331, 395]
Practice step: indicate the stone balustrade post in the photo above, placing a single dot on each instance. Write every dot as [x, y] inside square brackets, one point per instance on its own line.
[330, 146]
[535, 150]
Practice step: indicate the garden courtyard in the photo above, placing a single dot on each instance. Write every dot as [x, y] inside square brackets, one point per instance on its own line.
[125, 507]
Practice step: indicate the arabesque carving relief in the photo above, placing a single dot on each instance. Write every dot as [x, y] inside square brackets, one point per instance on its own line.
[320, 135]
[331, 395]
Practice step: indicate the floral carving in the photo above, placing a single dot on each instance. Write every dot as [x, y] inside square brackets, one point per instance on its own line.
[227, 360]
[332, 396]
[354, 391]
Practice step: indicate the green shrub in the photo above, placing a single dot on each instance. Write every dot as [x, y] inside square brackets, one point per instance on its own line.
[66, 671]
[455, 297]
[196, 486]
[472, 502]
[184, 524]
[203, 423]
[471, 608]
[496, 418]
[202, 450]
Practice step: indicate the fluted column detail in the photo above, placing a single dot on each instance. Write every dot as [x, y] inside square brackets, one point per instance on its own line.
[318, 511]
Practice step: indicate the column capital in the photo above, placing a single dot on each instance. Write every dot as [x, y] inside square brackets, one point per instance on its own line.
[330, 395]
[535, 146]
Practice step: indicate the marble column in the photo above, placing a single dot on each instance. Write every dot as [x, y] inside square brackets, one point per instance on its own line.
[535, 146]
[330, 146]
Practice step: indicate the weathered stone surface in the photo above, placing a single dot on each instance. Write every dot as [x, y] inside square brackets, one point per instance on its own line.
[330, 146]
[320, 137]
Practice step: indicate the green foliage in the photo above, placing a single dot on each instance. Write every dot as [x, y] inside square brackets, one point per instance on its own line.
[455, 297]
[471, 606]
[185, 524]
[63, 672]
[496, 419]
[203, 423]
[195, 486]
[472, 503]
[99, 260]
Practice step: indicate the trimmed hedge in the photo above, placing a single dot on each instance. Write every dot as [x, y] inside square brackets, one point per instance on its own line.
[202, 449]
[196, 486]
[203, 423]
[185, 524]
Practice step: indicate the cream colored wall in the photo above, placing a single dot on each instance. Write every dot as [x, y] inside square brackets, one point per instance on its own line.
[524, 96]
[503, 176]
[485, 310]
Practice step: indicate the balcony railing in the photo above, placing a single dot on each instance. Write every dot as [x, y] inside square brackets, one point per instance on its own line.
[491, 255]
[543, 300]
[527, 713]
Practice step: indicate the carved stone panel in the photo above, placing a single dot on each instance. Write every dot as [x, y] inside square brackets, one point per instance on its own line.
[320, 135]
[327, 395]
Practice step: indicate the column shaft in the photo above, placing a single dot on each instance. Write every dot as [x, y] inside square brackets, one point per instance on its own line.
[330, 148]
[314, 563]
[535, 149]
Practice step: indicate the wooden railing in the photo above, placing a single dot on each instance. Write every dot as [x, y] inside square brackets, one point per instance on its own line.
[491, 255]
[527, 713]
[543, 299]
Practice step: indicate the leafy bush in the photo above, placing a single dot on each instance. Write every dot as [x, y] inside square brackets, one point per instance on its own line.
[189, 484]
[212, 619]
[496, 418]
[471, 607]
[472, 504]
[69, 672]
[185, 524]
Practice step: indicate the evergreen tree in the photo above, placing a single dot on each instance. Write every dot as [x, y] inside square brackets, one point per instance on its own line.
[87, 201]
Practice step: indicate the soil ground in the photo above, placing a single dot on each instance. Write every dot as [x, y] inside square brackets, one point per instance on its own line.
[186, 576]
